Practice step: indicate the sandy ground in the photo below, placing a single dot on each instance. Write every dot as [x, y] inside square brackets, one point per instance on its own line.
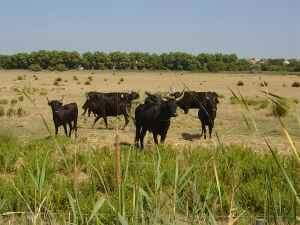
[185, 129]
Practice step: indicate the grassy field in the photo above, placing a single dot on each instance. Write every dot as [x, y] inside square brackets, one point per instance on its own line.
[185, 129]
[232, 179]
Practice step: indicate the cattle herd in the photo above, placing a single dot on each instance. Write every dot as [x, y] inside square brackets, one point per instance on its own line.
[154, 115]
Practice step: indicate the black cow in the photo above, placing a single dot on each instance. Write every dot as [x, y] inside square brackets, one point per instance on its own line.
[123, 97]
[104, 106]
[193, 99]
[64, 115]
[154, 117]
[207, 114]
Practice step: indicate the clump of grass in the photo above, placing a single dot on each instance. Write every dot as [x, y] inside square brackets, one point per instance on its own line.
[221, 96]
[87, 82]
[66, 81]
[258, 103]
[264, 84]
[10, 112]
[240, 83]
[56, 83]
[21, 98]
[78, 82]
[3, 101]
[13, 101]
[58, 79]
[43, 92]
[296, 84]
[75, 78]
[283, 85]
[280, 107]
[20, 112]
[122, 79]
[2, 111]
[90, 78]
[21, 77]
[105, 79]
[296, 101]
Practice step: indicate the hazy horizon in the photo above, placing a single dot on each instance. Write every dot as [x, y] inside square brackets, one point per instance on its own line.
[255, 28]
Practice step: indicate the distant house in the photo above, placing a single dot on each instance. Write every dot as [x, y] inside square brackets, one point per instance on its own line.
[286, 62]
[254, 61]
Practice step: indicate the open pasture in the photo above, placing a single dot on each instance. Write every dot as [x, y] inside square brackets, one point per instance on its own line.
[230, 126]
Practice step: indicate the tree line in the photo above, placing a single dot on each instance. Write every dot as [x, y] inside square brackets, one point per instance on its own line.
[64, 60]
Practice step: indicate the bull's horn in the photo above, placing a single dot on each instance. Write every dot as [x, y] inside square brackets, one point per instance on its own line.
[181, 95]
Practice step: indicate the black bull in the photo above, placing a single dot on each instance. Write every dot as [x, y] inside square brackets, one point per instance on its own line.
[123, 97]
[194, 100]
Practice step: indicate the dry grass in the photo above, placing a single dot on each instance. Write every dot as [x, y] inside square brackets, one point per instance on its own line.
[230, 124]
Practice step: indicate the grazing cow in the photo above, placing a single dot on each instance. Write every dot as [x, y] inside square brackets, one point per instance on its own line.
[64, 115]
[154, 117]
[104, 106]
[193, 99]
[123, 97]
[207, 114]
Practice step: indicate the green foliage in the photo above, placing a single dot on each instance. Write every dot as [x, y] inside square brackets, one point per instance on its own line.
[157, 185]
[280, 107]
[35, 67]
[61, 67]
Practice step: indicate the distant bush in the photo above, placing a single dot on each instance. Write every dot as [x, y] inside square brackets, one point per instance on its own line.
[296, 84]
[75, 78]
[87, 82]
[240, 83]
[35, 67]
[105, 79]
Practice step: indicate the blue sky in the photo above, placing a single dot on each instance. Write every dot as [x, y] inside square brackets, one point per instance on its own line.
[265, 28]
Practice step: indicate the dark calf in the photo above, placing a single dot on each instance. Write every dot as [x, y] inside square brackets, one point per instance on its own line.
[64, 115]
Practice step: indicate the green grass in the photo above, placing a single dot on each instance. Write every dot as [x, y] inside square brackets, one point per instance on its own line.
[160, 186]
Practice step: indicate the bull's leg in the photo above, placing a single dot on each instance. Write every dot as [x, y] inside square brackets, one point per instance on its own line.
[105, 121]
[137, 135]
[204, 130]
[142, 136]
[96, 119]
[126, 121]
[56, 130]
[71, 127]
[75, 127]
[155, 138]
[210, 127]
[84, 112]
[89, 112]
[65, 129]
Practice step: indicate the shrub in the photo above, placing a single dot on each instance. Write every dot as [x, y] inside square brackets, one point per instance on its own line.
[20, 77]
[66, 81]
[264, 84]
[90, 78]
[35, 67]
[2, 111]
[240, 83]
[60, 67]
[280, 107]
[56, 83]
[11, 112]
[87, 82]
[296, 84]
[58, 79]
[75, 78]
[20, 112]
[121, 79]
[105, 79]
[21, 98]
[3, 101]
[14, 101]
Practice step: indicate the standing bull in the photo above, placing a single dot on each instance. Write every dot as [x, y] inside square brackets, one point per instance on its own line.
[123, 97]
[64, 115]
[154, 116]
[207, 114]
[194, 100]
[103, 106]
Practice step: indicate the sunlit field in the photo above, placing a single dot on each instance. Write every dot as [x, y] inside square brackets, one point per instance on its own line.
[248, 171]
